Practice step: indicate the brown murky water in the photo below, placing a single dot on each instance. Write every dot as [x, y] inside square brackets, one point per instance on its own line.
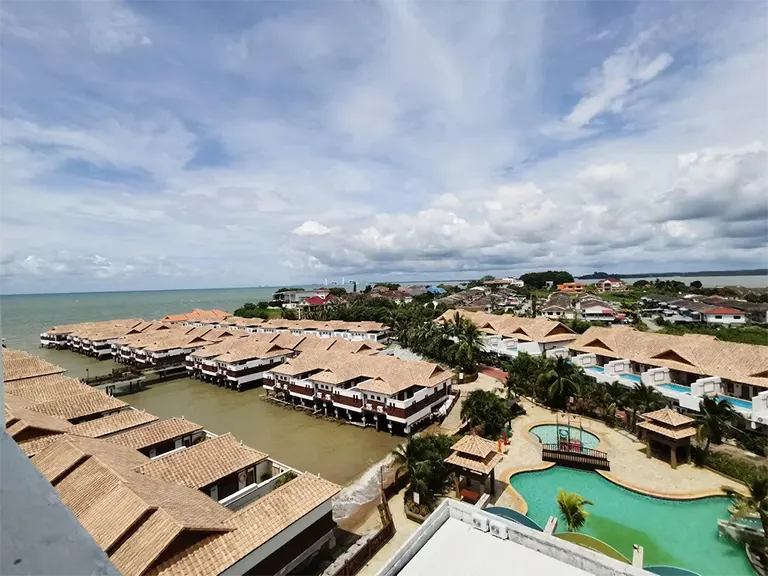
[338, 452]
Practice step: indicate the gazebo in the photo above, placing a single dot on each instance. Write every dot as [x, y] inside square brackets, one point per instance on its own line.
[670, 429]
[474, 458]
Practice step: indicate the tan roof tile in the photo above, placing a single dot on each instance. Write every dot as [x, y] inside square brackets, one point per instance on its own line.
[86, 404]
[204, 463]
[480, 465]
[28, 367]
[693, 353]
[254, 525]
[33, 446]
[153, 536]
[155, 433]
[29, 419]
[507, 325]
[475, 445]
[112, 423]
[122, 506]
[669, 417]
[46, 388]
[676, 433]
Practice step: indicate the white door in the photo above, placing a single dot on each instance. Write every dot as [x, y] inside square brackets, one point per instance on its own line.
[177, 443]
[215, 493]
[241, 481]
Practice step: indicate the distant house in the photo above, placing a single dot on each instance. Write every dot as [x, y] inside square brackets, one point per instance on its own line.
[723, 316]
[294, 298]
[319, 300]
[505, 282]
[610, 285]
[572, 287]
[435, 290]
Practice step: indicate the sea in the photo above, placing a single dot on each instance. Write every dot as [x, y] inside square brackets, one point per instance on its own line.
[342, 453]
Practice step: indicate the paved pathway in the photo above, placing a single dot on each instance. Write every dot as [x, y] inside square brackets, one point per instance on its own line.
[452, 422]
[652, 326]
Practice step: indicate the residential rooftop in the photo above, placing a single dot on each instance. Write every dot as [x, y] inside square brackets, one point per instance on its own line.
[155, 433]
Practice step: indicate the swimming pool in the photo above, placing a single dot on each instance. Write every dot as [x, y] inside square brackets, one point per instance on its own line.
[675, 388]
[595, 368]
[672, 532]
[631, 377]
[547, 434]
[736, 402]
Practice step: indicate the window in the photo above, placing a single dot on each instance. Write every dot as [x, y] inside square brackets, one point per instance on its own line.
[737, 317]
[718, 317]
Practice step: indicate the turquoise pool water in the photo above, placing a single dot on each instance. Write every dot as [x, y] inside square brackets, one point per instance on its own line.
[631, 377]
[675, 388]
[673, 533]
[547, 434]
[736, 402]
[596, 368]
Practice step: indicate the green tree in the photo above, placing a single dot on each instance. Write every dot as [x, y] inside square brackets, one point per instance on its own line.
[467, 343]
[422, 458]
[713, 422]
[560, 380]
[643, 398]
[486, 412]
[290, 314]
[695, 284]
[755, 502]
[337, 291]
[572, 509]
[523, 373]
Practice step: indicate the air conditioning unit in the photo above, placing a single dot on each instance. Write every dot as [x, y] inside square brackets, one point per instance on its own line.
[498, 529]
[380, 408]
[480, 522]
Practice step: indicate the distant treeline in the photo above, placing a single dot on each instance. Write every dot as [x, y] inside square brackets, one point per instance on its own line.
[756, 272]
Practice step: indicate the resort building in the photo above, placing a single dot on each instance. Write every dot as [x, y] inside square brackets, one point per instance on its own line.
[167, 347]
[461, 539]
[513, 282]
[160, 437]
[571, 287]
[381, 391]
[296, 297]
[197, 317]
[509, 335]
[683, 368]
[149, 520]
[558, 306]
[107, 426]
[355, 331]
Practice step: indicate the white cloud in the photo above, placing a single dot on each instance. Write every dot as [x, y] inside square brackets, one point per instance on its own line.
[390, 139]
[311, 228]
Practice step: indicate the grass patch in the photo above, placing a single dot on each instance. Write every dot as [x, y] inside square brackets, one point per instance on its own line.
[743, 334]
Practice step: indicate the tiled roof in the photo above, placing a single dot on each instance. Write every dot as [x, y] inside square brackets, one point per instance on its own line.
[26, 419]
[693, 353]
[35, 445]
[84, 329]
[475, 445]
[669, 417]
[153, 536]
[80, 405]
[61, 456]
[383, 374]
[509, 326]
[112, 423]
[46, 388]
[155, 433]
[203, 463]
[723, 311]
[479, 465]
[197, 315]
[28, 367]
[10, 354]
[253, 525]
[676, 433]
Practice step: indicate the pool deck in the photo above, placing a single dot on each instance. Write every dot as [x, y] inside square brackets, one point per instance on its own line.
[630, 467]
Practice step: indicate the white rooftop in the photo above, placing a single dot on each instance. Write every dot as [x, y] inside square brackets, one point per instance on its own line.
[458, 548]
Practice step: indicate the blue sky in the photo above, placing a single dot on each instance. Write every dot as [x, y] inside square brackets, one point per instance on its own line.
[203, 144]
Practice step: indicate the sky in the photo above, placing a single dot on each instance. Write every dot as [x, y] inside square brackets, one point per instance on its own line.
[155, 145]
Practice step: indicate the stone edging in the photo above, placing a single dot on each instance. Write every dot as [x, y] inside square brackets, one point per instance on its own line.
[698, 495]
[602, 444]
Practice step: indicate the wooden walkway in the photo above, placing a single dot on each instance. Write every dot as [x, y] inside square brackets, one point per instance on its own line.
[583, 458]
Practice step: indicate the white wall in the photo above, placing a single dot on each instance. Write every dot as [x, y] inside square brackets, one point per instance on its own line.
[725, 318]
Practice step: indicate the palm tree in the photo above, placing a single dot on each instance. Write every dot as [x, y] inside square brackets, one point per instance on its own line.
[486, 411]
[572, 509]
[644, 398]
[468, 347]
[713, 421]
[756, 502]
[560, 381]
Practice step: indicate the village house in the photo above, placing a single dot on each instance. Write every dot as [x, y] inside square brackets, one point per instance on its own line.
[571, 287]
[723, 315]
[610, 285]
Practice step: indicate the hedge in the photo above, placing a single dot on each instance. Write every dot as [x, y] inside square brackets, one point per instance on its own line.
[736, 468]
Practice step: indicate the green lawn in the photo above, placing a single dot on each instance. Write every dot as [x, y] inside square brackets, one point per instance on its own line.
[743, 334]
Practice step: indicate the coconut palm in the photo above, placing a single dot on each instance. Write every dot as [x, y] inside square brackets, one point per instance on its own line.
[643, 398]
[755, 502]
[560, 381]
[713, 421]
[468, 347]
[422, 458]
[572, 509]
[486, 411]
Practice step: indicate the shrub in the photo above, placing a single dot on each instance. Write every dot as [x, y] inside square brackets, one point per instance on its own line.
[284, 479]
[737, 468]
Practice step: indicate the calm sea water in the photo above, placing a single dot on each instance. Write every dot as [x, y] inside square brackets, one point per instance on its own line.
[708, 281]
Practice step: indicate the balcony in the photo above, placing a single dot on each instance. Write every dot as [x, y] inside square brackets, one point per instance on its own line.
[347, 401]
